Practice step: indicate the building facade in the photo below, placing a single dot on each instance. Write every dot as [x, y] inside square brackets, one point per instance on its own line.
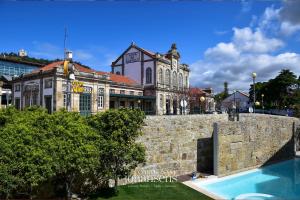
[196, 106]
[10, 68]
[237, 99]
[162, 76]
[89, 93]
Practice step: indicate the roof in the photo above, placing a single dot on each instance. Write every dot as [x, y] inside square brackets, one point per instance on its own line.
[133, 45]
[113, 77]
[60, 63]
[119, 78]
[196, 91]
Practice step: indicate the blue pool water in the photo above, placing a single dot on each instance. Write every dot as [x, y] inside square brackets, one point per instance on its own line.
[279, 181]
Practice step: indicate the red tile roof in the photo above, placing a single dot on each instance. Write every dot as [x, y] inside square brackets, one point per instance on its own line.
[60, 63]
[113, 77]
[196, 91]
[118, 78]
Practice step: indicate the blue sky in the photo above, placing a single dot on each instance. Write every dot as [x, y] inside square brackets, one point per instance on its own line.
[207, 33]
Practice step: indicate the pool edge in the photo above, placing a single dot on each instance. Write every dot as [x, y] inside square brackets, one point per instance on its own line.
[203, 191]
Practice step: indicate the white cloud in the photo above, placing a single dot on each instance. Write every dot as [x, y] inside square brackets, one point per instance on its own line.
[222, 51]
[248, 51]
[248, 41]
[287, 28]
[257, 48]
[82, 54]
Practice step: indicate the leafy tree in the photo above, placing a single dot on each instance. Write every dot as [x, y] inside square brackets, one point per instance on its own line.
[23, 157]
[121, 154]
[278, 92]
[221, 96]
[74, 146]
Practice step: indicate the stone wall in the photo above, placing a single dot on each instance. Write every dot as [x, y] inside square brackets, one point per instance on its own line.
[254, 141]
[179, 143]
[184, 144]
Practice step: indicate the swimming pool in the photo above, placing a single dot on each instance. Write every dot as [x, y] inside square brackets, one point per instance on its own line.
[277, 181]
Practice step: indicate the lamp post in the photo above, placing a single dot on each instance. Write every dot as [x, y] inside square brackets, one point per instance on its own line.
[262, 102]
[254, 98]
[69, 73]
[202, 99]
[139, 104]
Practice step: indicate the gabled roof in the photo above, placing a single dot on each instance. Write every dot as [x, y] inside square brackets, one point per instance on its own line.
[133, 45]
[60, 63]
[242, 93]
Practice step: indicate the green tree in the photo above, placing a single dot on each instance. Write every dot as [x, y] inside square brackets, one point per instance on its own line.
[121, 154]
[74, 147]
[23, 157]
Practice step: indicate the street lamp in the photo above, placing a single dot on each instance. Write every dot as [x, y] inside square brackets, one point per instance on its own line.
[202, 99]
[254, 99]
[69, 69]
[262, 102]
[257, 103]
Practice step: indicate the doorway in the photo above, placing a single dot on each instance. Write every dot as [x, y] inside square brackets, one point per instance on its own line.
[167, 106]
[48, 103]
[85, 104]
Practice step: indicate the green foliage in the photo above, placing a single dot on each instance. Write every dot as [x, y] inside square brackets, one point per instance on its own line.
[23, 157]
[65, 151]
[280, 92]
[121, 154]
[14, 56]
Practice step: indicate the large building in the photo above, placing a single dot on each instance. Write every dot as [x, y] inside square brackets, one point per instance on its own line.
[9, 68]
[156, 83]
[89, 93]
[163, 77]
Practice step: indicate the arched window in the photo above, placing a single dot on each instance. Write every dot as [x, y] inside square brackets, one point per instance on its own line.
[186, 81]
[174, 80]
[160, 76]
[148, 75]
[168, 78]
[180, 81]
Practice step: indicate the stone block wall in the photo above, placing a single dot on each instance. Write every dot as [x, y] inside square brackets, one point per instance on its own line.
[179, 143]
[254, 141]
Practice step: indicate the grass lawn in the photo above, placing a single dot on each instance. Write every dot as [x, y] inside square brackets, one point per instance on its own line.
[154, 191]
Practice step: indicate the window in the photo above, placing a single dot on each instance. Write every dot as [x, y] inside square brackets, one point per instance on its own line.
[186, 81]
[148, 75]
[174, 80]
[100, 99]
[122, 91]
[180, 81]
[168, 78]
[31, 99]
[131, 92]
[118, 73]
[66, 95]
[140, 93]
[17, 88]
[160, 76]
[112, 91]
[48, 83]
